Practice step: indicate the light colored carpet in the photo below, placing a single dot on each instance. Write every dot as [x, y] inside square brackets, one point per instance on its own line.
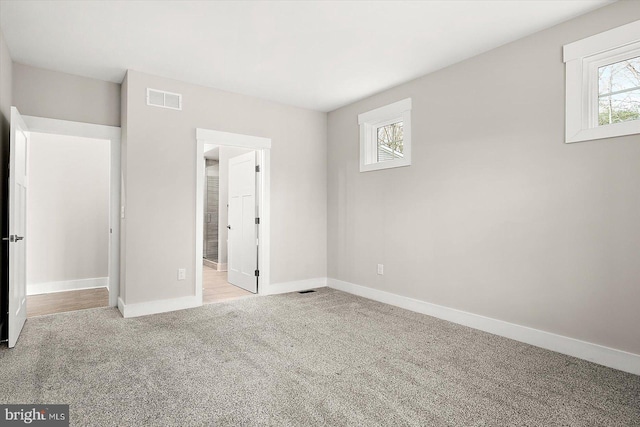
[303, 359]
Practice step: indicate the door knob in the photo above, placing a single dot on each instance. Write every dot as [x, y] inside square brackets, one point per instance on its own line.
[19, 238]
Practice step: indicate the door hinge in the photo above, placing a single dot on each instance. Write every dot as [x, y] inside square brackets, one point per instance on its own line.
[257, 168]
[257, 220]
[257, 273]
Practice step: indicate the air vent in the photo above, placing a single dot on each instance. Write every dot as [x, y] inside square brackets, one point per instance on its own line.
[160, 98]
[306, 292]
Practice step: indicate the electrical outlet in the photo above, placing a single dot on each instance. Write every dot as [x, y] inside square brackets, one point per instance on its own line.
[182, 273]
[381, 269]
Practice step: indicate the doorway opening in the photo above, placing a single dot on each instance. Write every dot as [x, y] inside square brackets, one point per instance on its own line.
[72, 221]
[67, 223]
[224, 226]
[232, 220]
[57, 247]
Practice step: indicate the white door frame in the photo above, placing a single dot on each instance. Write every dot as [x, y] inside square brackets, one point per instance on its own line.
[263, 148]
[111, 133]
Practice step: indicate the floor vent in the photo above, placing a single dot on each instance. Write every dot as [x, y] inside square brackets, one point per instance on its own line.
[306, 292]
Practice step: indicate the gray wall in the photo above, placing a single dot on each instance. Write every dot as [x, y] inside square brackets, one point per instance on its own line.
[160, 182]
[68, 200]
[51, 94]
[6, 69]
[497, 216]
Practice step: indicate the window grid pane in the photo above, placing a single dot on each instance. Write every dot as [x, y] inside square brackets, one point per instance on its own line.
[390, 142]
[619, 92]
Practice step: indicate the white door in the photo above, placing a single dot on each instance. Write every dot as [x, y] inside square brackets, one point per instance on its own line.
[17, 226]
[242, 237]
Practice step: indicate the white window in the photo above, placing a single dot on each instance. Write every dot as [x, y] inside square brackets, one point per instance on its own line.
[603, 85]
[385, 136]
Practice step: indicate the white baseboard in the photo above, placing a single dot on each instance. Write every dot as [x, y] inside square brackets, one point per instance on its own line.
[617, 359]
[158, 306]
[67, 285]
[215, 265]
[294, 286]
[209, 263]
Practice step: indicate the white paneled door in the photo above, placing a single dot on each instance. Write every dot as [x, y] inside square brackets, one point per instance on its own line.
[17, 226]
[243, 243]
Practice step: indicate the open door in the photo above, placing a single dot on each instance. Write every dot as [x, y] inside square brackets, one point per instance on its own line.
[243, 244]
[17, 226]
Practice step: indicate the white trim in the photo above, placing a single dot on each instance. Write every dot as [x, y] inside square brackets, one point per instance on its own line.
[111, 133]
[65, 127]
[296, 286]
[617, 359]
[631, 127]
[215, 265]
[232, 139]
[263, 147]
[615, 37]
[158, 306]
[383, 113]
[67, 285]
[370, 121]
[582, 59]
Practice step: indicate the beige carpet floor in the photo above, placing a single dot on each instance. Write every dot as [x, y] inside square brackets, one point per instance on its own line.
[323, 358]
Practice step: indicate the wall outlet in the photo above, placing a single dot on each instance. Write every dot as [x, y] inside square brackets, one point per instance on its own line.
[381, 269]
[182, 273]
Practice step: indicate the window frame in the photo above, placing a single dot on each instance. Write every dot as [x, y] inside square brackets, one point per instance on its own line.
[369, 123]
[583, 58]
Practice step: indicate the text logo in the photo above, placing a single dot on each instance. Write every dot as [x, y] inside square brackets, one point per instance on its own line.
[34, 415]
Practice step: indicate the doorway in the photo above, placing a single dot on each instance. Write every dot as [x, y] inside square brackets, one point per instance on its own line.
[229, 175]
[73, 226]
[23, 130]
[232, 221]
[67, 223]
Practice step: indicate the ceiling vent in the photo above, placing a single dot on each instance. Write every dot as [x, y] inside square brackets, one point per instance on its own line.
[161, 98]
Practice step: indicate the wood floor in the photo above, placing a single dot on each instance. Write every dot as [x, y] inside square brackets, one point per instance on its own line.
[215, 287]
[59, 302]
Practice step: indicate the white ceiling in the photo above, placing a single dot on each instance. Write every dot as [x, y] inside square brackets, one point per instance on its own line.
[314, 54]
